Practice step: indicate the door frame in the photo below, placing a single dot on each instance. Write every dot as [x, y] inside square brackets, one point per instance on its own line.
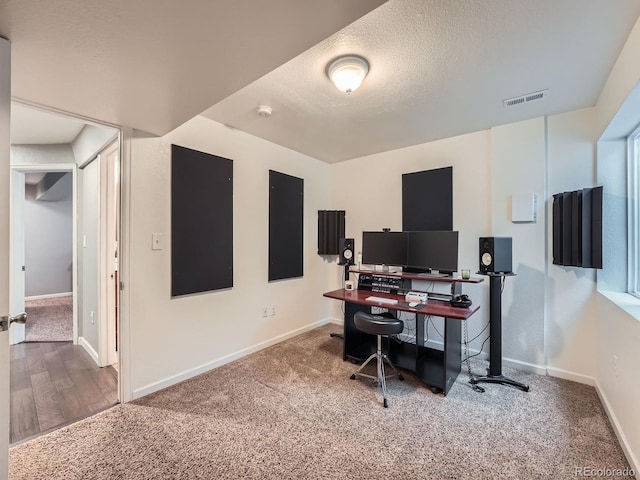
[73, 169]
[125, 136]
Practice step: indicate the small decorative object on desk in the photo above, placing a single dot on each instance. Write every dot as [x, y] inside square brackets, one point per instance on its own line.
[348, 285]
[466, 274]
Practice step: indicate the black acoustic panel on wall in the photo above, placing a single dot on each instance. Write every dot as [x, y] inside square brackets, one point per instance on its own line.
[586, 254]
[330, 231]
[557, 229]
[201, 221]
[286, 209]
[596, 227]
[567, 232]
[427, 200]
[577, 228]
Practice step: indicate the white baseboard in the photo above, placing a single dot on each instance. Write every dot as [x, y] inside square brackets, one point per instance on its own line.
[167, 382]
[617, 428]
[89, 349]
[49, 295]
[575, 377]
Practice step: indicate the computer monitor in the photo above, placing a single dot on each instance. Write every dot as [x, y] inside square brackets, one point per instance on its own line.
[384, 248]
[434, 250]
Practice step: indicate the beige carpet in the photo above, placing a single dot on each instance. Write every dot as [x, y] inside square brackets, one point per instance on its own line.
[49, 319]
[291, 412]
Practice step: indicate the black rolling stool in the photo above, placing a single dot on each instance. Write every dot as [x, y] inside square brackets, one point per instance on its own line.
[381, 325]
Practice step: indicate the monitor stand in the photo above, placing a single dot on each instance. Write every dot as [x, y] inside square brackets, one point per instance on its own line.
[385, 268]
[432, 273]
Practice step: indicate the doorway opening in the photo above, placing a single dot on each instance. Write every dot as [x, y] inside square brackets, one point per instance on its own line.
[65, 225]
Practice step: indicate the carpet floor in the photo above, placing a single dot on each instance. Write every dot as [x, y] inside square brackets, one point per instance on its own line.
[49, 319]
[291, 412]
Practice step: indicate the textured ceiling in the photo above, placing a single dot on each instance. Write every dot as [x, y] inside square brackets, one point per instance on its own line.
[153, 64]
[438, 68]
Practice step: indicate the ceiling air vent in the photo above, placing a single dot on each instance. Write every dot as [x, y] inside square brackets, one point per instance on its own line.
[529, 97]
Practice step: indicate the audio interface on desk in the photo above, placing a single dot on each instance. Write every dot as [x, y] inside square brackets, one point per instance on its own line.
[377, 283]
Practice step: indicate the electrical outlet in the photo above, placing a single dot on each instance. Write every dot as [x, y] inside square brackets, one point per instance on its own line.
[265, 312]
[92, 321]
[273, 310]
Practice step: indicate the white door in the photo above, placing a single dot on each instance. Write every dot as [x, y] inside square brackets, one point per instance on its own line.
[16, 255]
[5, 105]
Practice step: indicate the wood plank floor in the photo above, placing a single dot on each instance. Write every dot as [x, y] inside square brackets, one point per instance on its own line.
[54, 384]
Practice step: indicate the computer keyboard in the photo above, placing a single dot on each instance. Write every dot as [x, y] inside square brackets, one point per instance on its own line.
[388, 301]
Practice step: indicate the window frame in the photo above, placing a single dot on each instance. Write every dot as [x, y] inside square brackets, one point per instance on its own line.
[633, 212]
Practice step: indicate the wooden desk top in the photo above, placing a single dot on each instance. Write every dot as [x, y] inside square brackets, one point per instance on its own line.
[436, 308]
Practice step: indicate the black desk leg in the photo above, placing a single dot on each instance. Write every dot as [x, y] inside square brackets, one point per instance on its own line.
[495, 330]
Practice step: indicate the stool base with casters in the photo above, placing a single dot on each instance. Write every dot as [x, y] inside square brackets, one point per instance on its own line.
[380, 325]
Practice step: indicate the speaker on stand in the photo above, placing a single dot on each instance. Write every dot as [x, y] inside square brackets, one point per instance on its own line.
[346, 251]
[495, 262]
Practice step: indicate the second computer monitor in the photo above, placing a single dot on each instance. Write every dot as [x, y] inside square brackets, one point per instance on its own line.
[433, 250]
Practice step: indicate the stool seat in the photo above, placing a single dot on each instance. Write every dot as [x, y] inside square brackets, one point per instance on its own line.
[381, 325]
[377, 324]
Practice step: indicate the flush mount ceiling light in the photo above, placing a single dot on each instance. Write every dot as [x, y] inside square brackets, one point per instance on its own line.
[347, 73]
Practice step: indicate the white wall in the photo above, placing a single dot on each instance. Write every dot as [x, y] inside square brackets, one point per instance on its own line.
[172, 339]
[48, 240]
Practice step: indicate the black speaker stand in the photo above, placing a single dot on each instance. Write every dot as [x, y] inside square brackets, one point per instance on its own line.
[495, 332]
[346, 277]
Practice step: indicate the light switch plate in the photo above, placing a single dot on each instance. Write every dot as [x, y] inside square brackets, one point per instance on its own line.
[156, 241]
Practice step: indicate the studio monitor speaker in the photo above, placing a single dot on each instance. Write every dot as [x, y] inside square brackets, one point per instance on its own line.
[347, 252]
[495, 255]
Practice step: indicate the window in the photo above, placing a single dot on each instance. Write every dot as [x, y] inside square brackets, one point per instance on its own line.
[633, 211]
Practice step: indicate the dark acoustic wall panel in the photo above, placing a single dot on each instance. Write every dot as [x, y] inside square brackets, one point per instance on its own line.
[286, 209]
[201, 222]
[557, 229]
[586, 257]
[427, 200]
[596, 227]
[567, 237]
[577, 228]
[330, 231]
